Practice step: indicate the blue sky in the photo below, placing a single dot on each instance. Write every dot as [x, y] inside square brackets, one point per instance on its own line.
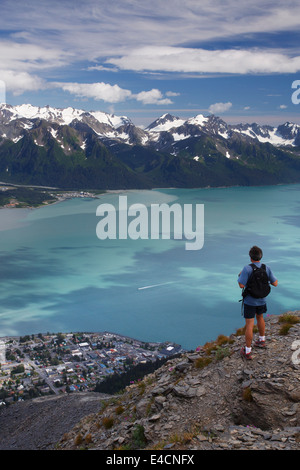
[235, 59]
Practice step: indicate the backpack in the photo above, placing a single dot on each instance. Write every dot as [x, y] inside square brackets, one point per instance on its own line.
[258, 283]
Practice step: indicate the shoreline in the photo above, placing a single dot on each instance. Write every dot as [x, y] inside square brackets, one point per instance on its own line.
[104, 332]
[60, 198]
[96, 193]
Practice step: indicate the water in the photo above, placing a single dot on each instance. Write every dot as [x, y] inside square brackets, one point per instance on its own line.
[57, 276]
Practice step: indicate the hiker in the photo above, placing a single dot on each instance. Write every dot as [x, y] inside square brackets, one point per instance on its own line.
[256, 284]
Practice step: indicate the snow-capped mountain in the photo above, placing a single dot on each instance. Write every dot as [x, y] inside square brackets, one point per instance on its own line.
[14, 119]
[283, 135]
[74, 148]
[63, 116]
[180, 129]
[165, 131]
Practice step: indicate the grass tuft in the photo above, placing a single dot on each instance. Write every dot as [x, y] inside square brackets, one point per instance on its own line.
[108, 422]
[288, 318]
[202, 362]
[247, 395]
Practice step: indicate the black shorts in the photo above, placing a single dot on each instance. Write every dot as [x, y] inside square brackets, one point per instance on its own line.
[251, 310]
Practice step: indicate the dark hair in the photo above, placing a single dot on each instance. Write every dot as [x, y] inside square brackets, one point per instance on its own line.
[255, 253]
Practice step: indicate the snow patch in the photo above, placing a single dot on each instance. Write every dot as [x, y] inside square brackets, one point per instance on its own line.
[53, 133]
[177, 136]
[16, 139]
[225, 134]
[198, 120]
[275, 139]
[166, 126]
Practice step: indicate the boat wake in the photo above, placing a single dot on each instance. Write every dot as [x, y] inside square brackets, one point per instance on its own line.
[155, 285]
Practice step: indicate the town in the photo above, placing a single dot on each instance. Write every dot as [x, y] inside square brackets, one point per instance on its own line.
[20, 196]
[43, 364]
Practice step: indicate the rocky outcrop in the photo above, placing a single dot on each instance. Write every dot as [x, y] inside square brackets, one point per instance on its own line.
[209, 399]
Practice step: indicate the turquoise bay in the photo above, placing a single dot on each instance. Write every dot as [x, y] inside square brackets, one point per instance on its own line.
[56, 275]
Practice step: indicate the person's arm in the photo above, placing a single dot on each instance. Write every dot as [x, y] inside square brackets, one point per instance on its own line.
[272, 278]
[243, 278]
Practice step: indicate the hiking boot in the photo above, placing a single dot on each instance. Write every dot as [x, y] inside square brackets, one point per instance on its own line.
[246, 356]
[260, 344]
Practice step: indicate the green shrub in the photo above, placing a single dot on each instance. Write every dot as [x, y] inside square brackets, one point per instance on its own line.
[138, 437]
[221, 353]
[284, 330]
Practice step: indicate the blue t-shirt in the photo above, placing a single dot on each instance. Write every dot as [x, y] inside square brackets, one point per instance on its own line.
[243, 279]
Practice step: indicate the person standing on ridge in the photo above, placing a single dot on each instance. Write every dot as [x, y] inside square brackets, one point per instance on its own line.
[255, 280]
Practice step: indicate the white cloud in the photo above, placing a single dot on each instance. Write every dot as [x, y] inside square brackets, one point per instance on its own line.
[153, 96]
[172, 93]
[102, 28]
[219, 108]
[56, 30]
[22, 65]
[282, 106]
[96, 91]
[31, 57]
[48, 37]
[191, 60]
[101, 68]
[20, 82]
[112, 93]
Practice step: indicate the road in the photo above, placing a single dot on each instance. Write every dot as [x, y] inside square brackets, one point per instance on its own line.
[43, 374]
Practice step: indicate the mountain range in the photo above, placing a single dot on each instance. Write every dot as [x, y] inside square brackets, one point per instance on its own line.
[75, 149]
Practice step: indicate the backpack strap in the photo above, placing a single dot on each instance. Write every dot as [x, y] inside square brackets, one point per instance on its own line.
[244, 291]
[253, 266]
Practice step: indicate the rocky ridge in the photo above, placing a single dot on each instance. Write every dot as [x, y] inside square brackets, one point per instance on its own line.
[210, 399]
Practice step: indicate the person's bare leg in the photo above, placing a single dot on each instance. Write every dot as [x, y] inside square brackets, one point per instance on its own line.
[260, 324]
[249, 331]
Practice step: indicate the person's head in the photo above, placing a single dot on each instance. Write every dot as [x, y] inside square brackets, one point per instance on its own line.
[255, 253]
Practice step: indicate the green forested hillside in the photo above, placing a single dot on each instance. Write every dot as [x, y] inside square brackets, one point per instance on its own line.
[76, 158]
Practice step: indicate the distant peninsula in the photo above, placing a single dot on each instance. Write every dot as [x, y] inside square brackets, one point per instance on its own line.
[30, 197]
